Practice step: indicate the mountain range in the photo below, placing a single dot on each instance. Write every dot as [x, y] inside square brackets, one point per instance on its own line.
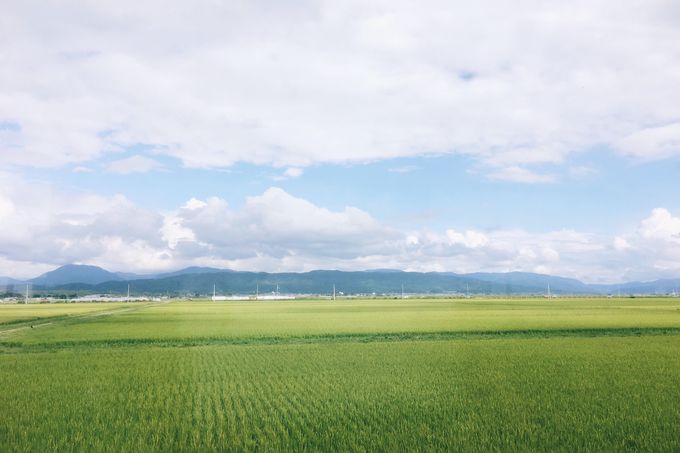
[201, 280]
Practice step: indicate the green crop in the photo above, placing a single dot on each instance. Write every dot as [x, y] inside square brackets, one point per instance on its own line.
[566, 375]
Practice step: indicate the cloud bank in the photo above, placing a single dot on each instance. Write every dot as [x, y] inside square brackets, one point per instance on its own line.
[41, 228]
[522, 89]
[515, 85]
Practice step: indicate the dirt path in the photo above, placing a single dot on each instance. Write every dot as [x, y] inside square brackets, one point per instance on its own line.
[37, 323]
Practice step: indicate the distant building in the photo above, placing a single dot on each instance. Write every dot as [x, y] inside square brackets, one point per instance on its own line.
[273, 296]
[107, 298]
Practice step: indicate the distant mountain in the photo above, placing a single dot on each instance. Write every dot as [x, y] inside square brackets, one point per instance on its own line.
[314, 282]
[9, 281]
[663, 286]
[192, 270]
[94, 275]
[538, 281]
[9, 284]
[200, 280]
[75, 273]
[187, 270]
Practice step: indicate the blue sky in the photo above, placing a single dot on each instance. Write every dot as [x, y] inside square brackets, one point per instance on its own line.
[434, 191]
[354, 135]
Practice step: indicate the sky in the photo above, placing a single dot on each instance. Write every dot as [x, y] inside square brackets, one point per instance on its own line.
[442, 136]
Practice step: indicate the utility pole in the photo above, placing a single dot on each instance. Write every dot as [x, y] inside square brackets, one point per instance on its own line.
[333, 292]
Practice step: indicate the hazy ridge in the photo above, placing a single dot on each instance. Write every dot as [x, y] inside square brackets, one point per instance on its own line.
[200, 280]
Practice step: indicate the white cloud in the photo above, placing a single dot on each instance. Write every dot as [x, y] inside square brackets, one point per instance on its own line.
[134, 164]
[292, 85]
[471, 239]
[41, 227]
[291, 172]
[621, 244]
[278, 224]
[566, 253]
[194, 204]
[653, 249]
[652, 143]
[21, 269]
[661, 225]
[521, 175]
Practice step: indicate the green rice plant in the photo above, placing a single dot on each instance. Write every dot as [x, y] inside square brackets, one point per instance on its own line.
[239, 320]
[421, 375]
[565, 394]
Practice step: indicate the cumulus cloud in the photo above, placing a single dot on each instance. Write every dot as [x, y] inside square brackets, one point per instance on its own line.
[510, 84]
[470, 239]
[279, 225]
[662, 226]
[652, 250]
[559, 252]
[42, 227]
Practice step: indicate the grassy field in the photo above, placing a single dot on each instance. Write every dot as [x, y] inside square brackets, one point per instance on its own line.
[240, 321]
[16, 313]
[563, 374]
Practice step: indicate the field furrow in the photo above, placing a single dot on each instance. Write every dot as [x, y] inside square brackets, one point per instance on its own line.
[277, 387]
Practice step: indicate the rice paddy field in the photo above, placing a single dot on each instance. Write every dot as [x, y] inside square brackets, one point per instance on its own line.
[350, 375]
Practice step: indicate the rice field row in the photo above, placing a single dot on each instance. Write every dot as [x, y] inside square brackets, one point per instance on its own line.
[469, 375]
[180, 321]
[563, 394]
